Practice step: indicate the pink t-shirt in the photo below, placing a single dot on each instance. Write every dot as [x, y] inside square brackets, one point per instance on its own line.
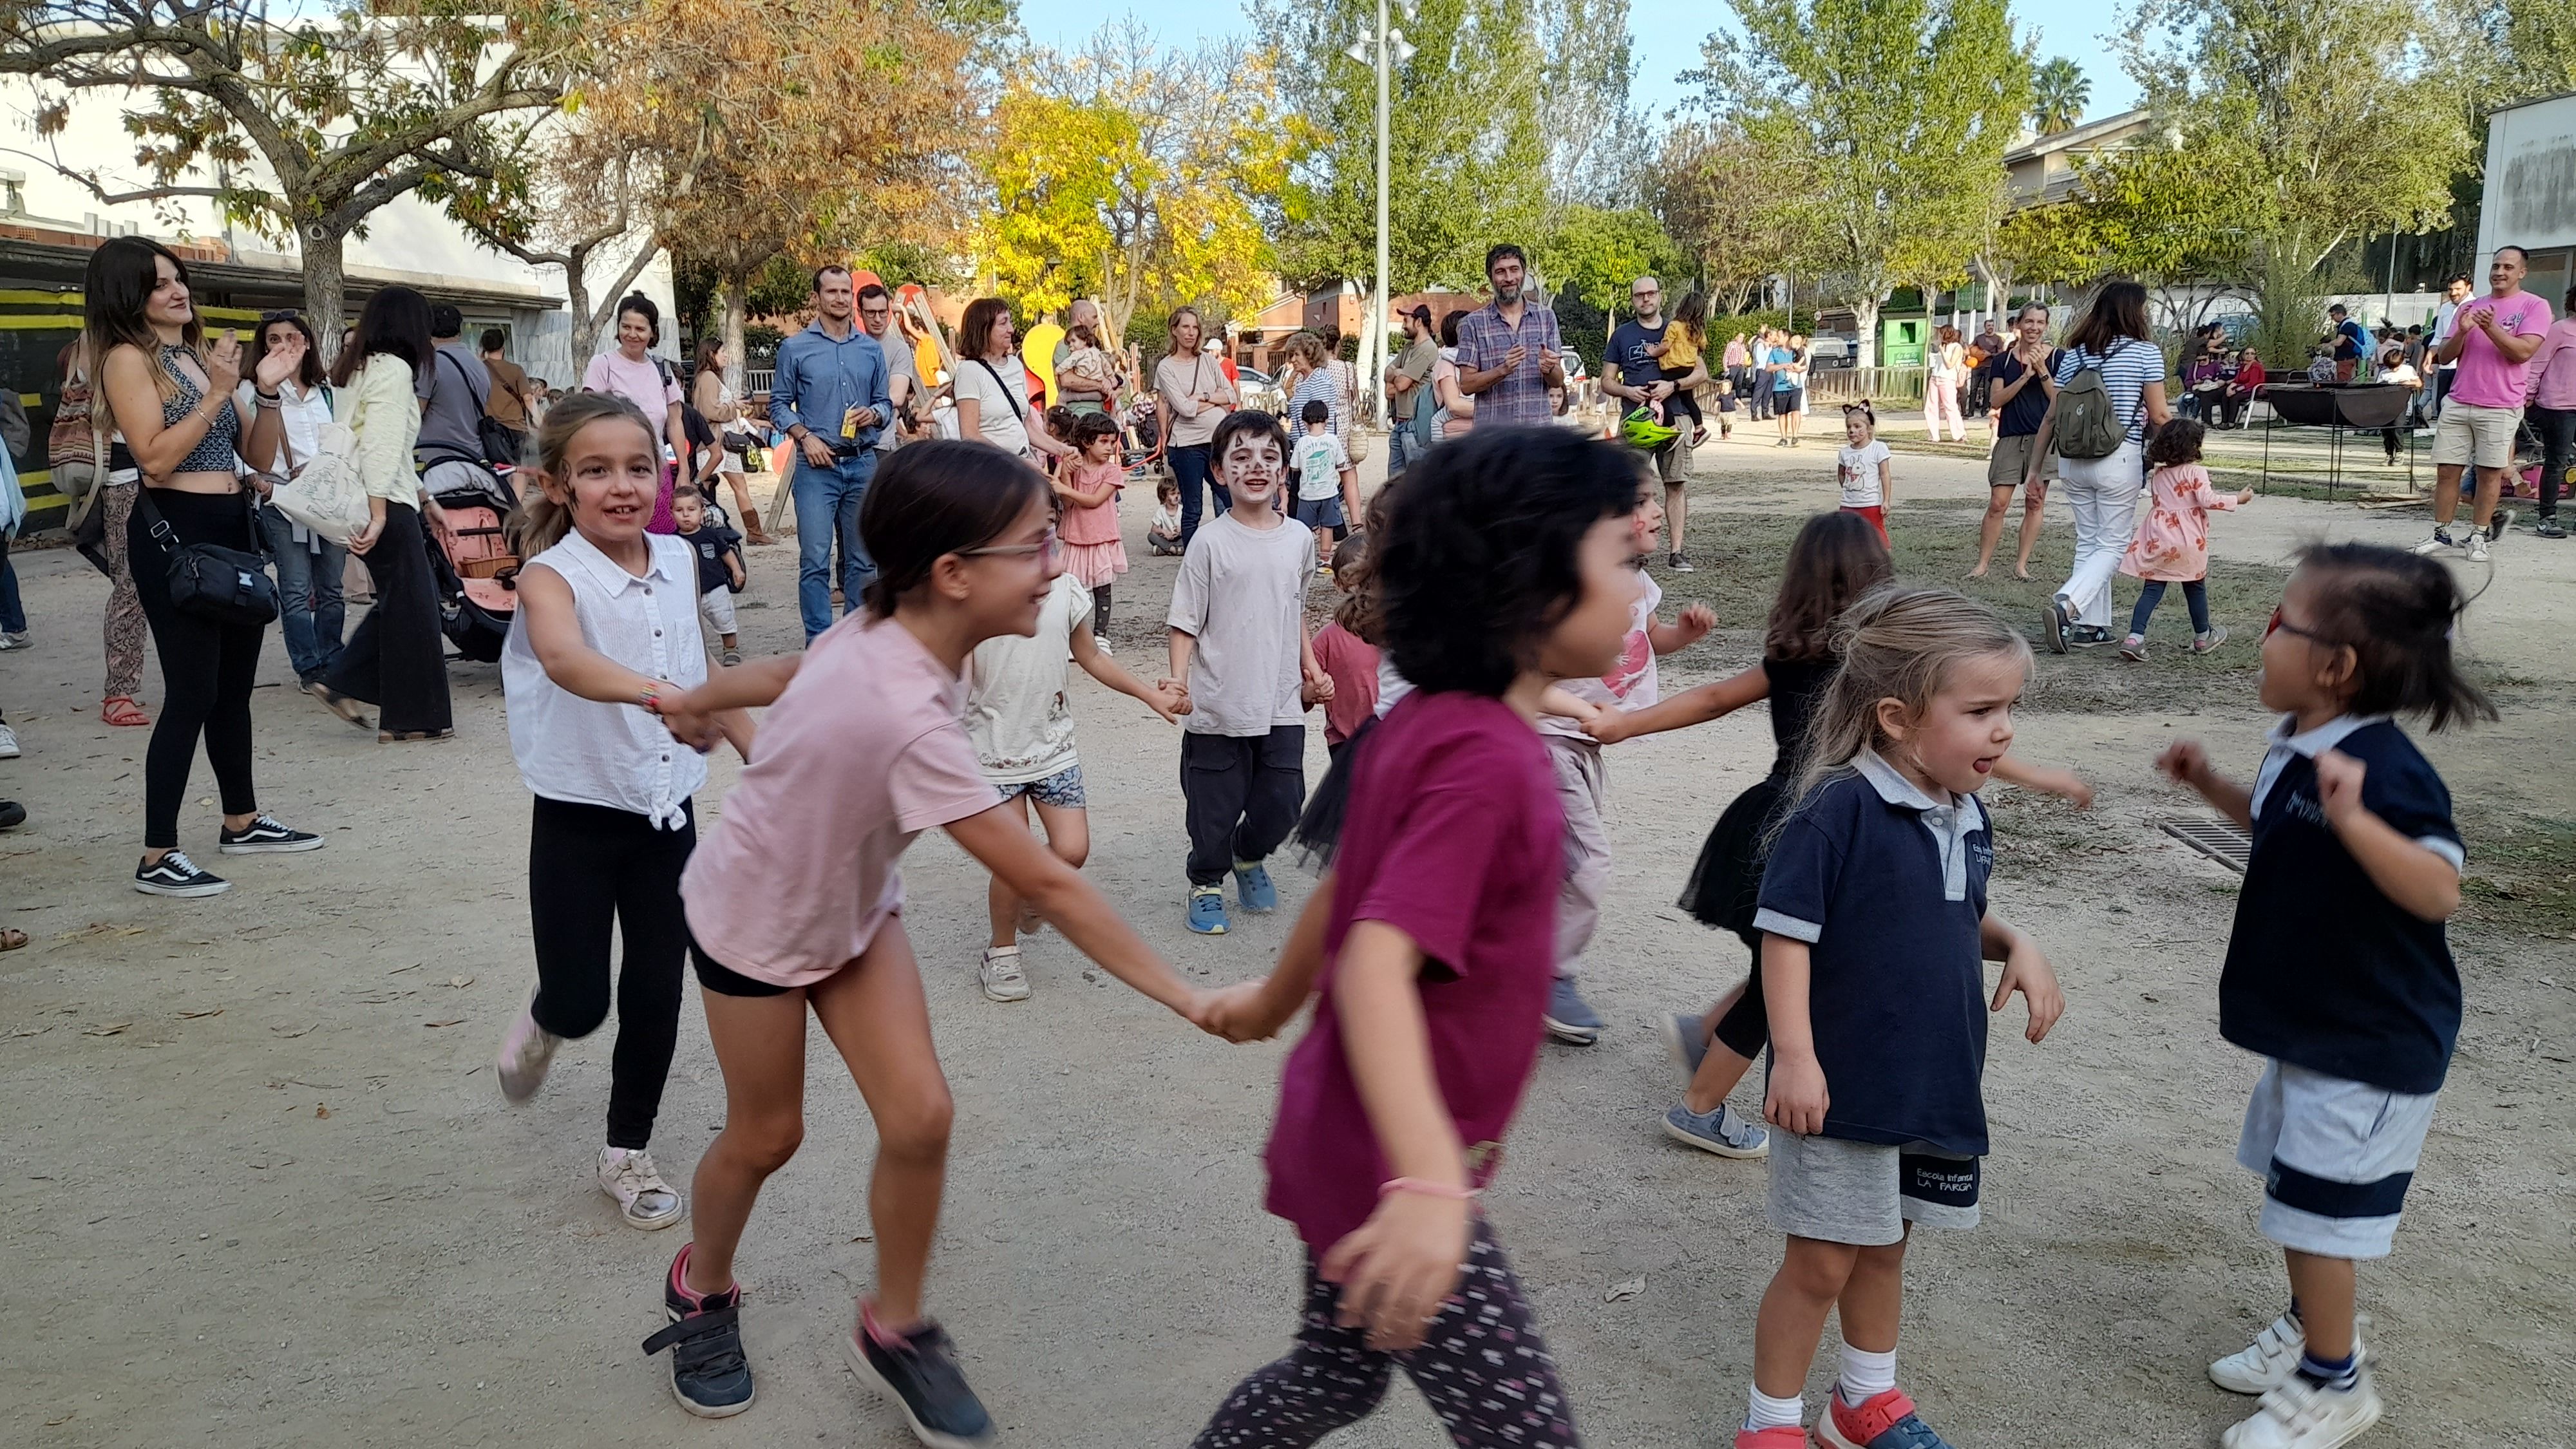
[2553, 368]
[1092, 525]
[1456, 839]
[2485, 379]
[863, 752]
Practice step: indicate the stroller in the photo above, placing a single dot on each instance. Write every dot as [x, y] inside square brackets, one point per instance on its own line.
[473, 567]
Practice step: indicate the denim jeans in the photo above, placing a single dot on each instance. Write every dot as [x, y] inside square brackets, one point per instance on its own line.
[827, 507]
[13, 615]
[2195, 596]
[1403, 442]
[309, 612]
[1190, 469]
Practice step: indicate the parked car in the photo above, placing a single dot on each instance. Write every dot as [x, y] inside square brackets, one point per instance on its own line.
[1260, 390]
[1833, 350]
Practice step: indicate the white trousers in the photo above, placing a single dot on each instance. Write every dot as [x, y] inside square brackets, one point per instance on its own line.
[2104, 494]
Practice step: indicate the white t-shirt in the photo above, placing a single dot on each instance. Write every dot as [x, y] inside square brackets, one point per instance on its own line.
[1631, 682]
[1242, 591]
[1016, 711]
[1002, 405]
[1857, 470]
[1319, 459]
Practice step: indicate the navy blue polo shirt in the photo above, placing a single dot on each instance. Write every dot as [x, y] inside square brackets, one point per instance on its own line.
[2323, 971]
[1888, 889]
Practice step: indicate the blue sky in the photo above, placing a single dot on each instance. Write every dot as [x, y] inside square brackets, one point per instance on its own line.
[1672, 30]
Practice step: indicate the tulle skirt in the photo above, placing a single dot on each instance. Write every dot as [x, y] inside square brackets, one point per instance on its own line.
[1726, 884]
[1095, 564]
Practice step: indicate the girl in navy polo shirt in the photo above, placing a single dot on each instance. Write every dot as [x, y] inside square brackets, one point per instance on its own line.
[1875, 931]
[2338, 971]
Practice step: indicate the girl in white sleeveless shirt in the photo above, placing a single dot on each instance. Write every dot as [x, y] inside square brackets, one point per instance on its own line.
[607, 625]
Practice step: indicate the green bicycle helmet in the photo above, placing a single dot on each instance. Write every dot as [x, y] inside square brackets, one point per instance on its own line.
[1642, 431]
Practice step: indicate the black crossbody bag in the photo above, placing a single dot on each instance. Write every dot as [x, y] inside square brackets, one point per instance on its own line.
[208, 580]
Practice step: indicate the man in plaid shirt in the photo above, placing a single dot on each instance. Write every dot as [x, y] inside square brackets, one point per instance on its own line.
[1509, 354]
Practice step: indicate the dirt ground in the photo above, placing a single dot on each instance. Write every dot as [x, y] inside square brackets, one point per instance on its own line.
[268, 1193]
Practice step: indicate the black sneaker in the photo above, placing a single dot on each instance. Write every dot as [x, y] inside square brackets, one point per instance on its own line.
[1680, 563]
[922, 1376]
[708, 1373]
[2496, 525]
[2090, 636]
[264, 836]
[2052, 625]
[177, 875]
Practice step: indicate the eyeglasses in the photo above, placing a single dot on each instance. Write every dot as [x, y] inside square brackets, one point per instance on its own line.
[2281, 625]
[1051, 547]
[287, 315]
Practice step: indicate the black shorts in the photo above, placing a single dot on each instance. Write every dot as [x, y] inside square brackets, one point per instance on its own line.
[723, 980]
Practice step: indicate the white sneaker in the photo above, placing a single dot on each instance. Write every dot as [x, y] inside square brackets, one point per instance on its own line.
[2299, 1415]
[643, 1198]
[1001, 974]
[2478, 547]
[2273, 1356]
[8, 743]
[525, 1054]
[2440, 540]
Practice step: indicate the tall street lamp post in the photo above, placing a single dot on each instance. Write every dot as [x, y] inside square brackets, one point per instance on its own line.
[1385, 48]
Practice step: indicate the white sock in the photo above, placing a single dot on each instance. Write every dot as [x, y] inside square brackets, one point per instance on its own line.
[1770, 1413]
[1866, 1375]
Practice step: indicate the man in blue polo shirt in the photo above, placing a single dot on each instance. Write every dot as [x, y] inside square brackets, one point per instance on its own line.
[829, 396]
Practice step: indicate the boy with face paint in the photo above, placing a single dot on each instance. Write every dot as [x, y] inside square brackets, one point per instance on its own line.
[1239, 646]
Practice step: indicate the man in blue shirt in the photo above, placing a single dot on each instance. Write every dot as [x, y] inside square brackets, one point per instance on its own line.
[829, 396]
[1635, 376]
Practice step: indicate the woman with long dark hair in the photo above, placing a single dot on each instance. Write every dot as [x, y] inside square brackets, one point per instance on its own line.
[1195, 398]
[285, 433]
[397, 660]
[168, 396]
[2113, 338]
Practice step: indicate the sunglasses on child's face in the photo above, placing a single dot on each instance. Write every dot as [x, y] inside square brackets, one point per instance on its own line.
[2281, 625]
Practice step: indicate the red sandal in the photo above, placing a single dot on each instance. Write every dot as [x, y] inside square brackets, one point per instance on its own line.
[120, 709]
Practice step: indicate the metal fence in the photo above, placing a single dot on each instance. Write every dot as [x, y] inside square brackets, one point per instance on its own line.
[1875, 384]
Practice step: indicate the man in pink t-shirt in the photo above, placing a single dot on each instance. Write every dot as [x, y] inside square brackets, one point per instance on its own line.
[2492, 339]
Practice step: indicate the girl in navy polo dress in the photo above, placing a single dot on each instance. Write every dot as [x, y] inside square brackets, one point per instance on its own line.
[2339, 972]
[1875, 931]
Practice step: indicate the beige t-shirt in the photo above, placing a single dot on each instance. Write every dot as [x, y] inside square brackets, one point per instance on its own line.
[863, 752]
[1179, 379]
[1016, 711]
[1242, 592]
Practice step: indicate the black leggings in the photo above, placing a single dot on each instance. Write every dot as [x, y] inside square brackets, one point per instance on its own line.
[587, 864]
[207, 668]
[1746, 1027]
[1100, 613]
[1482, 1366]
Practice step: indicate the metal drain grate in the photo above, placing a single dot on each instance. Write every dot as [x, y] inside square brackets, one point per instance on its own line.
[2216, 839]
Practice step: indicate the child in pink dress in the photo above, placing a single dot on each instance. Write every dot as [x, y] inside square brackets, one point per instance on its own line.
[1087, 492]
[2172, 546]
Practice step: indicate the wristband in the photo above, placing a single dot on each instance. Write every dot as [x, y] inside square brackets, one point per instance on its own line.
[1427, 1188]
[650, 697]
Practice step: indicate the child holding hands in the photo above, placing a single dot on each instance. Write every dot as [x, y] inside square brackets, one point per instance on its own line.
[2339, 972]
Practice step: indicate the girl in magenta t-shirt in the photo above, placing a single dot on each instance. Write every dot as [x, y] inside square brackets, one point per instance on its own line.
[1501, 566]
[795, 904]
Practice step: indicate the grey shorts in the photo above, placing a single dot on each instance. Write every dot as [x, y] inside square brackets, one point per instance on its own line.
[1061, 790]
[2009, 463]
[2336, 1158]
[1864, 1193]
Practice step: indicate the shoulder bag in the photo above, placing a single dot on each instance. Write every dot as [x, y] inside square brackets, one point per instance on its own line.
[325, 493]
[499, 441]
[227, 585]
[1006, 397]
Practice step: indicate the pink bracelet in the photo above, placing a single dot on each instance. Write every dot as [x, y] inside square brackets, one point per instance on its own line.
[1427, 1188]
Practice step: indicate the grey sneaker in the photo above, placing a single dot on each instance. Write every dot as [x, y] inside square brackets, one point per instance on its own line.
[2204, 643]
[1571, 1019]
[2134, 648]
[525, 1054]
[1721, 1132]
[1002, 978]
[1687, 1040]
[13, 641]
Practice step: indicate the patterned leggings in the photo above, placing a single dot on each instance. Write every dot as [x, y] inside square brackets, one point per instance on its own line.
[125, 624]
[1482, 1365]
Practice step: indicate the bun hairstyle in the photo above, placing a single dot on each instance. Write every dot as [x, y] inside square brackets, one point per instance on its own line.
[935, 498]
[643, 306]
[1897, 643]
[2397, 613]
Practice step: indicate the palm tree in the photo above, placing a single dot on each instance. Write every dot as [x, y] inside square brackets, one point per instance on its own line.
[2058, 91]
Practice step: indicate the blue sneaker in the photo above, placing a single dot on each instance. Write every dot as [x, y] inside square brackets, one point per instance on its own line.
[1721, 1132]
[1687, 1040]
[1207, 910]
[1252, 888]
[1571, 1019]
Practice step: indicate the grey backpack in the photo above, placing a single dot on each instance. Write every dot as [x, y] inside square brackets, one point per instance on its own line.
[2088, 426]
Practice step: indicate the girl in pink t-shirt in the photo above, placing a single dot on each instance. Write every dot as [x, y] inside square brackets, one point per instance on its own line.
[1087, 489]
[795, 905]
[2172, 544]
[1502, 564]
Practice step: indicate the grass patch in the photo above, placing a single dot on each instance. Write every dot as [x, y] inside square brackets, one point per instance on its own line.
[2522, 870]
[2297, 470]
[1741, 553]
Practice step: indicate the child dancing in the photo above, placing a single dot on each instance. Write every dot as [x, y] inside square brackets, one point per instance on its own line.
[2172, 545]
[796, 905]
[1087, 489]
[1873, 911]
[1501, 565]
[2339, 972]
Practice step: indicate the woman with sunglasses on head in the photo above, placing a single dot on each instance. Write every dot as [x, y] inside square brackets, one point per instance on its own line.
[309, 611]
[167, 394]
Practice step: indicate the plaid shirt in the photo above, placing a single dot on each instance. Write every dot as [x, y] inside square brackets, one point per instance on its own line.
[1484, 337]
